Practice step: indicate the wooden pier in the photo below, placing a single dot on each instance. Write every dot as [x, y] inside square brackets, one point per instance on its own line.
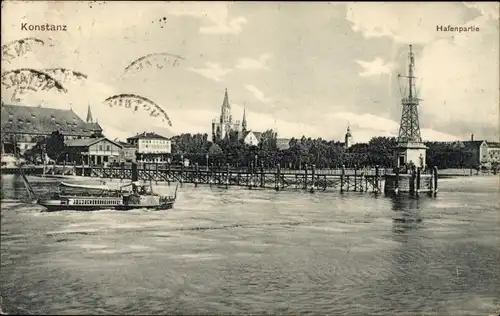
[373, 180]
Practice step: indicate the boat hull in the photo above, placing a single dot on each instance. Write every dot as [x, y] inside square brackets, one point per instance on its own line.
[55, 206]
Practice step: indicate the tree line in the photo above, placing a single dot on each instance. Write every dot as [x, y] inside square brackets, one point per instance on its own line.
[300, 152]
[322, 153]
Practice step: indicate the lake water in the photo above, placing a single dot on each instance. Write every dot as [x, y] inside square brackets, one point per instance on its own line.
[241, 251]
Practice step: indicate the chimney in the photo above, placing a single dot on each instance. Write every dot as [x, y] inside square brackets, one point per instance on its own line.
[472, 137]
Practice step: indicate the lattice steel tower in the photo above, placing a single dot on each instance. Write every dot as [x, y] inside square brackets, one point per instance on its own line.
[410, 149]
[409, 130]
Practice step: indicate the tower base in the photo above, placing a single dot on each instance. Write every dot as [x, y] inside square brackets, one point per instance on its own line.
[410, 152]
[409, 184]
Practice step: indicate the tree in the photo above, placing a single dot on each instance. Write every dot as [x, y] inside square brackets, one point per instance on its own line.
[215, 152]
[269, 140]
[194, 147]
[36, 151]
[55, 145]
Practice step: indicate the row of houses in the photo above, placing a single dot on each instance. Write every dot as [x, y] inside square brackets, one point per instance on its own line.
[24, 126]
[144, 147]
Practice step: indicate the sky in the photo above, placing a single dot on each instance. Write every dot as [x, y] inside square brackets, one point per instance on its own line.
[299, 68]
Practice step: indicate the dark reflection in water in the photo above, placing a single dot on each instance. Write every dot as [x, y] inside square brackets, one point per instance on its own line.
[406, 215]
[242, 251]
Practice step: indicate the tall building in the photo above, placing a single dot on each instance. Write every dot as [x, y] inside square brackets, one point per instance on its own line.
[224, 127]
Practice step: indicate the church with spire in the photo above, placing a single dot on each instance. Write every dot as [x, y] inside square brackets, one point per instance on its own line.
[93, 126]
[224, 127]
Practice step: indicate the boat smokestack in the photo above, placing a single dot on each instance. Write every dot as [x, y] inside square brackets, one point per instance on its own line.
[135, 174]
[472, 137]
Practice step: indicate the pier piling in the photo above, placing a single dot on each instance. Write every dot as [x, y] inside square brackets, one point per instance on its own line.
[342, 175]
[182, 173]
[376, 187]
[355, 178]
[211, 174]
[305, 176]
[278, 177]
[396, 181]
[196, 175]
[412, 180]
[418, 181]
[169, 174]
[435, 178]
[313, 178]
[261, 174]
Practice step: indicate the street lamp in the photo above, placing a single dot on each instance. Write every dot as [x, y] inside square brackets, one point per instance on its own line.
[256, 160]
[206, 157]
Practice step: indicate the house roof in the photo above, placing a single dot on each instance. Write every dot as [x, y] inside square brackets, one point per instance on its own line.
[145, 135]
[125, 144]
[493, 144]
[473, 144]
[257, 135]
[38, 120]
[87, 142]
[94, 126]
[283, 143]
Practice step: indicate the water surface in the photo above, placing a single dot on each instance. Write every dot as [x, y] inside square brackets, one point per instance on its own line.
[256, 251]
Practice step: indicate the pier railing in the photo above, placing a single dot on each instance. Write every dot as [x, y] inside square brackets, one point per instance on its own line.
[175, 168]
[309, 178]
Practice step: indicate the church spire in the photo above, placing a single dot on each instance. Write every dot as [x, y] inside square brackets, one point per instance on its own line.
[225, 104]
[89, 116]
[244, 121]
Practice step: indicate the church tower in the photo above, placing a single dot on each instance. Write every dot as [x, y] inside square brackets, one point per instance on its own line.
[348, 137]
[225, 117]
[244, 122]
[89, 116]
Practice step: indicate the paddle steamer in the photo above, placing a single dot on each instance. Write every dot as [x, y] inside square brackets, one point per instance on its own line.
[77, 197]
